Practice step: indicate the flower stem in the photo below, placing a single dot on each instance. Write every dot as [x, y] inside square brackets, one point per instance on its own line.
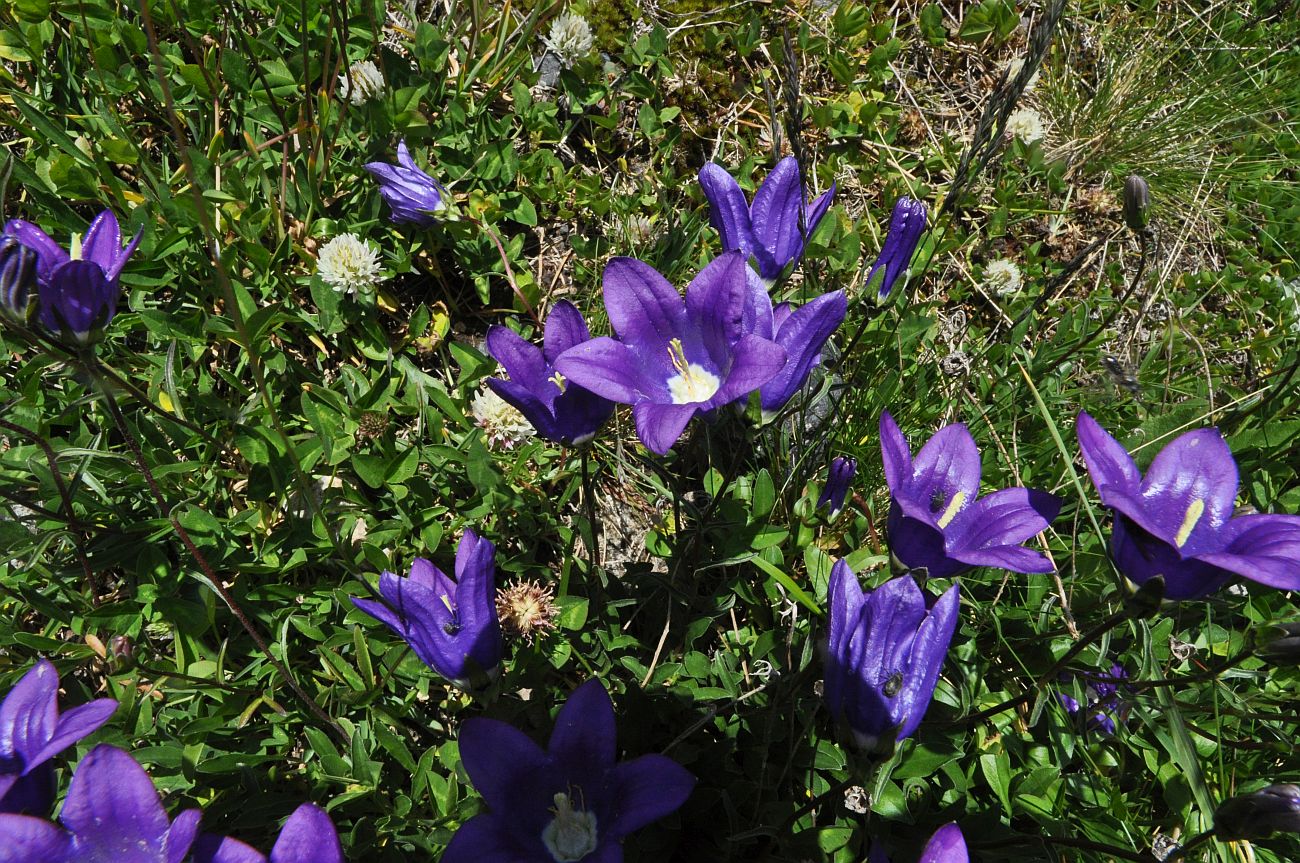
[589, 501]
[92, 366]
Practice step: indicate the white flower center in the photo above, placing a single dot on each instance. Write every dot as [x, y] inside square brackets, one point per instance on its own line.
[572, 834]
[693, 382]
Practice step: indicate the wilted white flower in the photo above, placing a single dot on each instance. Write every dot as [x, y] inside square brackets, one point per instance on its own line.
[504, 426]
[362, 82]
[1002, 277]
[570, 38]
[348, 263]
[1026, 124]
[1012, 68]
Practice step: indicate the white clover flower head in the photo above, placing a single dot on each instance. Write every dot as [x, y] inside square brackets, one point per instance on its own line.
[1027, 125]
[1012, 68]
[361, 83]
[1003, 278]
[503, 425]
[349, 264]
[570, 38]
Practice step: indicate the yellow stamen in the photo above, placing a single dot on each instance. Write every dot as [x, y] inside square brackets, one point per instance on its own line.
[74, 247]
[954, 506]
[677, 353]
[446, 600]
[693, 383]
[1194, 512]
[559, 381]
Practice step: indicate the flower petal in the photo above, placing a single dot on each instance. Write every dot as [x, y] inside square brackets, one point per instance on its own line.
[584, 736]
[564, 329]
[644, 790]
[643, 308]
[947, 845]
[482, 839]
[844, 603]
[896, 454]
[29, 713]
[220, 849]
[661, 425]
[716, 302]
[73, 725]
[776, 209]
[521, 359]
[103, 241]
[77, 299]
[24, 839]
[308, 837]
[1108, 462]
[1195, 469]
[612, 370]
[1264, 548]
[523, 400]
[1016, 558]
[113, 810]
[502, 762]
[1006, 517]
[181, 835]
[929, 647]
[49, 254]
[728, 210]
[756, 362]
[803, 335]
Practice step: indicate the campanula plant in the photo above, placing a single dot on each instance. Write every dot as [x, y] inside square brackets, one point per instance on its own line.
[560, 411]
[675, 359]
[839, 477]
[1177, 520]
[451, 625]
[32, 731]
[906, 226]
[77, 291]
[773, 230]
[883, 655]
[112, 813]
[937, 519]
[569, 802]
[308, 836]
[412, 195]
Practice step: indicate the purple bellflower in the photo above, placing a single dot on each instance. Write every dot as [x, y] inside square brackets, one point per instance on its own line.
[841, 474]
[883, 655]
[947, 845]
[569, 802]
[112, 815]
[906, 226]
[1259, 814]
[937, 519]
[412, 195]
[560, 411]
[32, 732]
[768, 231]
[17, 279]
[308, 836]
[1177, 521]
[451, 625]
[674, 359]
[77, 292]
[801, 332]
[1104, 704]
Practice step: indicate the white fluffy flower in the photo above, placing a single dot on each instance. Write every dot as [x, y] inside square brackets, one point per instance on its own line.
[570, 38]
[1026, 124]
[1002, 277]
[504, 426]
[361, 83]
[1012, 68]
[348, 263]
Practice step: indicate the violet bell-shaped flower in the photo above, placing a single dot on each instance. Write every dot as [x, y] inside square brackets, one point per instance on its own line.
[839, 477]
[801, 333]
[770, 230]
[451, 625]
[78, 291]
[946, 845]
[112, 814]
[938, 522]
[308, 836]
[560, 410]
[1259, 814]
[32, 732]
[883, 655]
[1177, 520]
[906, 226]
[571, 801]
[674, 359]
[412, 195]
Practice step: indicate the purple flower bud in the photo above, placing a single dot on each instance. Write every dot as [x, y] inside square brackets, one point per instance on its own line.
[1137, 203]
[906, 226]
[17, 279]
[412, 195]
[842, 471]
[1259, 814]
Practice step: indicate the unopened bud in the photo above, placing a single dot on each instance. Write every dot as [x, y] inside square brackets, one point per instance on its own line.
[123, 652]
[1279, 643]
[1275, 809]
[17, 279]
[1137, 203]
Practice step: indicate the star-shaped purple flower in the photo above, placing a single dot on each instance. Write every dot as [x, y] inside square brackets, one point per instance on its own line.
[412, 195]
[561, 411]
[32, 732]
[77, 295]
[451, 625]
[883, 655]
[308, 836]
[937, 519]
[906, 226]
[1177, 521]
[569, 802]
[768, 231]
[674, 359]
[112, 815]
